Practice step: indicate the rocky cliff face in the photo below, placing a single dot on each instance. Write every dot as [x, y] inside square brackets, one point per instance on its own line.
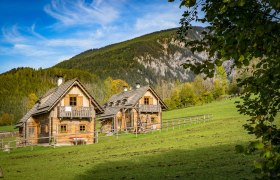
[168, 66]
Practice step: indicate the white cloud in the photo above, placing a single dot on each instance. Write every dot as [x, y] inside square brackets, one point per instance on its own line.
[161, 18]
[77, 12]
[12, 34]
[30, 50]
[156, 21]
[34, 33]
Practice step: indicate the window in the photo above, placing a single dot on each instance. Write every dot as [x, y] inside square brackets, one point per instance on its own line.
[118, 102]
[73, 101]
[63, 128]
[146, 100]
[82, 128]
[31, 130]
[46, 128]
[124, 101]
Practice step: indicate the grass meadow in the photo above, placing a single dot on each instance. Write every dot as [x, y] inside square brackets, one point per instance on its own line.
[198, 151]
[7, 128]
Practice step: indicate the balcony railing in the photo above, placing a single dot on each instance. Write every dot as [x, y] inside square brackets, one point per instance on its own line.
[149, 108]
[75, 112]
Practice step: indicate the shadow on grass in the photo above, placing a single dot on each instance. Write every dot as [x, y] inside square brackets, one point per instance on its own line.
[219, 162]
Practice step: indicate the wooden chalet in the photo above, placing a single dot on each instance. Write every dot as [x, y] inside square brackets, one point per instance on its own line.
[63, 115]
[126, 111]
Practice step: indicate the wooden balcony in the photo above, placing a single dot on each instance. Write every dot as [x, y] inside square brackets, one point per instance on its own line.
[149, 108]
[75, 112]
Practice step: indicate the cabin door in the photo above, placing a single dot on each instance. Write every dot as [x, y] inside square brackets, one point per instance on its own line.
[119, 123]
[32, 134]
[129, 119]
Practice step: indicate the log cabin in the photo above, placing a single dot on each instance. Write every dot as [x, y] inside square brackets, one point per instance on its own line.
[63, 115]
[136, 110]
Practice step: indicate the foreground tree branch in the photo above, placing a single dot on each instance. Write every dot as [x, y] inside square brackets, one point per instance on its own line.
[243, 31]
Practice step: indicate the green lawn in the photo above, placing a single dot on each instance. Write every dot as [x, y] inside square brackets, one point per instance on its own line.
[7, 128]
[219, 109]
[200, 151]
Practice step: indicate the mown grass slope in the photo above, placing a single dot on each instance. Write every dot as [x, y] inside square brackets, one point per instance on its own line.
[200, 151]
[7, 128]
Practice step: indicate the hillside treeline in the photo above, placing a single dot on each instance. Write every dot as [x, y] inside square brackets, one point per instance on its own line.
[22, 86]
[201, 90]
[20, 89]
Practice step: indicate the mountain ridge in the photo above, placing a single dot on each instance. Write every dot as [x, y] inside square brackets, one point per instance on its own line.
[150, 58]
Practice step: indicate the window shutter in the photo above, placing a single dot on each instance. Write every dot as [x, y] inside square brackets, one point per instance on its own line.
[142, 100]
[150, 100]
[66, 100]
[80, 101]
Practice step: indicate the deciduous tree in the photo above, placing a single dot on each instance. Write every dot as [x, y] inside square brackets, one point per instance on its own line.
[32, 98]
[243, 30]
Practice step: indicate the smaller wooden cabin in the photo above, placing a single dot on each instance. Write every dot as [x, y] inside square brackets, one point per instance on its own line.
[63, 115]
[134, 110]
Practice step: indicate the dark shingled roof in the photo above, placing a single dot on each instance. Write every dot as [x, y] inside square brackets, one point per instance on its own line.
[110, 111]
[27, 115]
[53, 97]
[128, 99]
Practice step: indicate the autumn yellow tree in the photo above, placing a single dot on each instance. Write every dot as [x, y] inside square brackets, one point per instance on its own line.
[113, 86]
[32, 98]
[6, 119]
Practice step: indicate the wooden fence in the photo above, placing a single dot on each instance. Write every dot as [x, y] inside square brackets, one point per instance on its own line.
[8, 134]
[166, 125]
[183, 121]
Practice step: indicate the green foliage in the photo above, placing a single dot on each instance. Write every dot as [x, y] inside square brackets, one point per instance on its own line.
[199, 91]
[188, 97]
[32, 98]
[6, 119]
[245, 31]
[174, 101]
[220, 82]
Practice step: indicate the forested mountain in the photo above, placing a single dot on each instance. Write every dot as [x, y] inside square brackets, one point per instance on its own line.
[154, 58]
[147, 59]
[21, 87]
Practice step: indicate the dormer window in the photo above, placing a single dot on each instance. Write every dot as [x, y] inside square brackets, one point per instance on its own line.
[124, 101]
[111, 104]
[118, 102]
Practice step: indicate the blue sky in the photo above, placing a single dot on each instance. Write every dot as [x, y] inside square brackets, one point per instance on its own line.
[41, 33]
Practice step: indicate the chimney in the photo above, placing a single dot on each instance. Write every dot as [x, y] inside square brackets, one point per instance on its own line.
[137, 85]
[59, 80]
[124, 88]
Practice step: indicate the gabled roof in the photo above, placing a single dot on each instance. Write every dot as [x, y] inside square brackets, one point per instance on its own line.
[53, 96]
[128, 99]
[109, 112]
